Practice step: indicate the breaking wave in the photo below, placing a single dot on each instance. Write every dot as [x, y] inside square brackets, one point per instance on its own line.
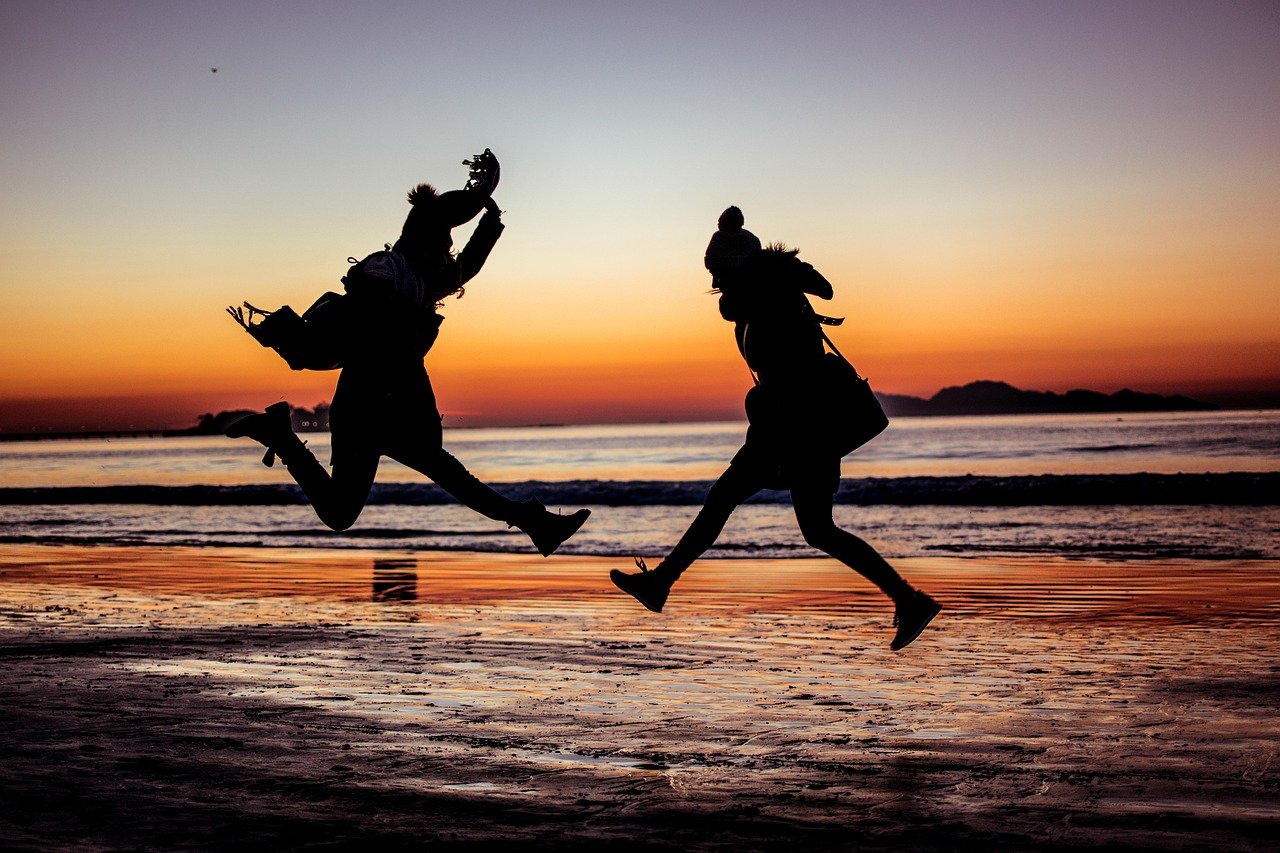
[1233, 489]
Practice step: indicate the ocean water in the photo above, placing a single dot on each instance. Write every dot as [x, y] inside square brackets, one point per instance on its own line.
[1199, 486]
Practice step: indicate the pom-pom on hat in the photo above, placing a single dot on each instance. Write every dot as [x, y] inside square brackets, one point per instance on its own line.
[731, 247]
[731, 218]
[450, 209]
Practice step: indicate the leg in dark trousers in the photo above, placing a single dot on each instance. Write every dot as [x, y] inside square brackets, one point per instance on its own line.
[651, 588]
[452, 476]
[547, 530]
[337, 498]
[733, 487]
[813, 508]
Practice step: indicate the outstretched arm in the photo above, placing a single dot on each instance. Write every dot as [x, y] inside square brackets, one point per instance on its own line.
[814, 282]
[482, 241]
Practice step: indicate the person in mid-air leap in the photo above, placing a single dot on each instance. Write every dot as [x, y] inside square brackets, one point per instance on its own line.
[378, 333]
[789, 443]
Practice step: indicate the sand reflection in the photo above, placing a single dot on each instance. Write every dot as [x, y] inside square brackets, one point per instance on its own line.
[395, 579]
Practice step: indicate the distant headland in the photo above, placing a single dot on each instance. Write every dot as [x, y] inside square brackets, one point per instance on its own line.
[987, 397]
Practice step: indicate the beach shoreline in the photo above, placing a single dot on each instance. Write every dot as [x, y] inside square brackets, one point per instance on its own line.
[308, 698]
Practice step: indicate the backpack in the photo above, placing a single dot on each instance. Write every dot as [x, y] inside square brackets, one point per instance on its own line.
[322, 336]
[384, 275]
[316, 340]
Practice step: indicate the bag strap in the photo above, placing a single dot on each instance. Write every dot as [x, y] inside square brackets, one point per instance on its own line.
[826, 339]
[742, 349]
[823, 321]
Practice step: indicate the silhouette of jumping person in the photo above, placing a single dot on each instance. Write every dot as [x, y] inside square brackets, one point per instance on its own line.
[762, 292]
[379, 333]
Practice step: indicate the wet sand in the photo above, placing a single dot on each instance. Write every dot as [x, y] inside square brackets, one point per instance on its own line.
[212, 698]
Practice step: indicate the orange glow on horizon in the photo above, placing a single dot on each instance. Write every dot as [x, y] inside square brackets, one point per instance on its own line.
[616, 391]
[564, 351]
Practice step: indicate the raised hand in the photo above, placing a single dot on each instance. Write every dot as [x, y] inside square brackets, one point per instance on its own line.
[485, 172]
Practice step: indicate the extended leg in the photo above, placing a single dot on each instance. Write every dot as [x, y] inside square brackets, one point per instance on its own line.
[813, 508]
[452, 476]
[727, 493]
[651, 588]
[548, 530]
[913, 609]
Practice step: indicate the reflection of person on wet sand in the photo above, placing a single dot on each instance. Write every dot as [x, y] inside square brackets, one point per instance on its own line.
[762, 292]
[395, 579]
[378, 332]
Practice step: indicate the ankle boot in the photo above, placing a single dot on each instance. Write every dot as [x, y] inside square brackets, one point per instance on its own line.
[273, 429]
[911, 615]
[650, 588]
[548, 530]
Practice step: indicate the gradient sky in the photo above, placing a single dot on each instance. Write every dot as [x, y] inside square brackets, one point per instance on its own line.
[1060, 195]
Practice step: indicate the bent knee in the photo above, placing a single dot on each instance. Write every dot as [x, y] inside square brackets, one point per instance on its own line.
[339, 519]
[820, 534]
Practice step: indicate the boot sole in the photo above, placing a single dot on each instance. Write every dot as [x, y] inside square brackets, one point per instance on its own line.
[581, 516]
[275, 410]
[924, 623]
[616, 576]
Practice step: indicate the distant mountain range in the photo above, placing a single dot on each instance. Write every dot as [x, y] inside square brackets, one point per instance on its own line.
[986, 397]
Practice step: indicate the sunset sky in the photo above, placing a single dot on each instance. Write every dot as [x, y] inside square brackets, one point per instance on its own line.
[1059, 195]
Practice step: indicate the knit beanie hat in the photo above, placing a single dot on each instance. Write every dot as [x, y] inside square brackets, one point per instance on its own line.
[732, 246]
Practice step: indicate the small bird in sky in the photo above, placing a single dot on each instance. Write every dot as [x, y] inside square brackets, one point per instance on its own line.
[214, 70]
